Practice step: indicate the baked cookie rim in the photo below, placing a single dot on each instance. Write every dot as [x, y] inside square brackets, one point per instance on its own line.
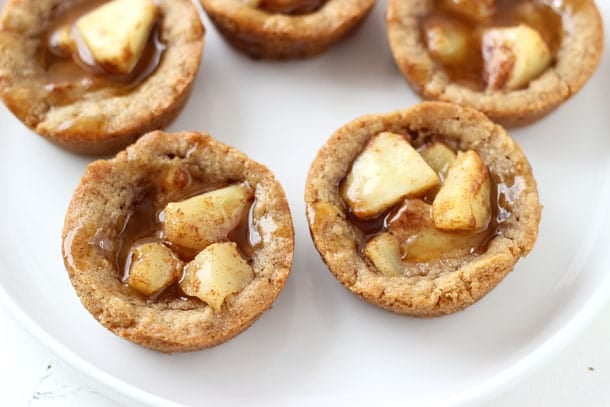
[292, 26]
[413, 295]
[276, 36]
[115, 127]
[583, 45]
[128, 314]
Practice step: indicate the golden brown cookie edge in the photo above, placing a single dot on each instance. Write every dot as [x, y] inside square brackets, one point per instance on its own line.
[512, 109]
[126, 315]
[274, 36]
[109, 134]
[413, 296]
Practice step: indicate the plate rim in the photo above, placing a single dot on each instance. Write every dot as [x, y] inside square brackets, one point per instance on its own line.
[495, 385]
[478, 394]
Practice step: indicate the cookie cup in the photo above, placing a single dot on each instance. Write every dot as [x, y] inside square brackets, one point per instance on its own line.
[261, 34]
[440, 286]
[102, 120]
[576, 60]
[103, 202]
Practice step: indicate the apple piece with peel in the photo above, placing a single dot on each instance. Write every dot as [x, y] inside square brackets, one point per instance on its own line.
[116, 33]
[421, 241]
[513, 56]
[387, 170]
[475, 10]
[439, 157]
[203, 219]
[153, 267]
[216, 272]
[384, 252]
[463, 201]
[446, 40]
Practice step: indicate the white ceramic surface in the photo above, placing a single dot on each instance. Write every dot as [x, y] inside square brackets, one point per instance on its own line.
[319, 342]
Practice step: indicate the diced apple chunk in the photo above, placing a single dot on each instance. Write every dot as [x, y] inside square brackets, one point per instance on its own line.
[215, 273]
[61, 42]
[421, 241]
[116, 33]
[384, 252]
[439, 157]
[447, 40]
[153, 267]
[387, 170]
[476, 10]
[513, 56]
[206, 218]
[542, 18]
[463, 202]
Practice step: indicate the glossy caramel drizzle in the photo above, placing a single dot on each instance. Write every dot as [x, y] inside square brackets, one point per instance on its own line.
[538, 14]
[144, 224]
[503, 194]
[73, 72]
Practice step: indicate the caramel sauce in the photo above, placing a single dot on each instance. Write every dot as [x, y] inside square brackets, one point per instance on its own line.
[369, 227]
[71, 72]
[503, 194]
[144, 224]
[538, 14]
[290, 7]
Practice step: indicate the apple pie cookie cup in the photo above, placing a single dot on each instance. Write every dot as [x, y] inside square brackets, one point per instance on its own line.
[574, 57]
[143, 280]
[274, 35]
[427, 285]
[95, 115]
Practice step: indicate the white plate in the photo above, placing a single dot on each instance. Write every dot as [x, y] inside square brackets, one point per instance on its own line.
[319, 342]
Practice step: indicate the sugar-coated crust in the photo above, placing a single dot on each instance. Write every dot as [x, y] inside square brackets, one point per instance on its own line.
[99, 207]
[277, 36]
[102, 121]
[577, 59]
[448, 285]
